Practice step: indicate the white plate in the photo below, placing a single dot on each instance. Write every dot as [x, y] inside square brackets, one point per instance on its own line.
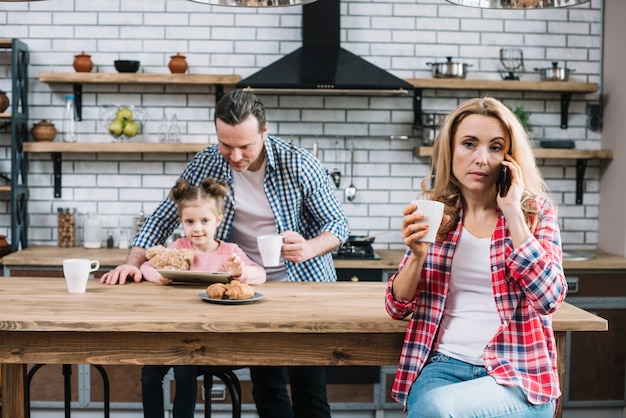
[257, 296]
[196, 277]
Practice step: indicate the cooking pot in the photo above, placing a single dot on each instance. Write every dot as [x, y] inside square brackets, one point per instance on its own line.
[554, 73]
[360, 240]
[448, 69]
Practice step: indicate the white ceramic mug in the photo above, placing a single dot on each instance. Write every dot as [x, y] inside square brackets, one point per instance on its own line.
[76, 272]
[269, 248]
[434, 213]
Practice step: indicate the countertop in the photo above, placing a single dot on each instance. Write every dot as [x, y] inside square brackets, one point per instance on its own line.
[49, 256]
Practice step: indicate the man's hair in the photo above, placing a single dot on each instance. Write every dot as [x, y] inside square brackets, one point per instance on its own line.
[237, 105]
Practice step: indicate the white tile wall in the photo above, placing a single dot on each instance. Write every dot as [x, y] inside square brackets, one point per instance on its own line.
[398, 35]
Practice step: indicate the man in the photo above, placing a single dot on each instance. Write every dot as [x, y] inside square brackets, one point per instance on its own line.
[277, 187]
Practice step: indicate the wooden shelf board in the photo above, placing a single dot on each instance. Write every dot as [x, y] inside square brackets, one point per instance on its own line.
[549, 153]
[503, 85]
[5, 116]
[113, 147]
[6, 43]
[138, 78]
[5, 188]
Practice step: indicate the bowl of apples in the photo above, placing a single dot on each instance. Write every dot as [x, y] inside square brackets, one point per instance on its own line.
[123, 122]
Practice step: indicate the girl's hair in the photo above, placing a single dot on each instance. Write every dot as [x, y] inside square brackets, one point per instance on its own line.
[441, 184]
[211, 191]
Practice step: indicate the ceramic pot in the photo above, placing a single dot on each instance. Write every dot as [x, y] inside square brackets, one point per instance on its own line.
[4, 101]
[178, 64]
[82, 63]
[43, 131]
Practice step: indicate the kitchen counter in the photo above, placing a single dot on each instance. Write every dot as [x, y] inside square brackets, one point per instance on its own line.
[48, 256]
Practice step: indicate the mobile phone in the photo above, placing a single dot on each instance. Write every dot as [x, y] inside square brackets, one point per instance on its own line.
[504, 182]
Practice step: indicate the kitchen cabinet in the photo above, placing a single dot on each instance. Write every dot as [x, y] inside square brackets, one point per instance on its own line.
[580, 155]
[18, 121]
[565, 88]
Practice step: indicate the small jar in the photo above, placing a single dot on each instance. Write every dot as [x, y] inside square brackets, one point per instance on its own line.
[43, 131]
[178, 64]
[92, 231]
[66, 218]
[82, 63]
[4, 101]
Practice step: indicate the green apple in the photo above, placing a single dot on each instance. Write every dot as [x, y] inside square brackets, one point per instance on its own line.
[116, 127]
[131, 128]
[124, 114]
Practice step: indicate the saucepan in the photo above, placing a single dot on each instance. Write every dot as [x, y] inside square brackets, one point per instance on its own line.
[554, 73]
[363, 240]
[448, 69]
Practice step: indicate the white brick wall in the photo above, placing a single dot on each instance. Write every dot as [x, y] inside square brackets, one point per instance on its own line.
[398, 35]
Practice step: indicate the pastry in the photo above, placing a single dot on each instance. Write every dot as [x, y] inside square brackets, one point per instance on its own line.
[216, 290]
[237, 290]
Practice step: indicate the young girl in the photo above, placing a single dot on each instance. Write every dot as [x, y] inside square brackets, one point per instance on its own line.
[201, 211]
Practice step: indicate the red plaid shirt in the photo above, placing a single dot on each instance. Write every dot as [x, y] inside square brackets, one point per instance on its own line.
[528, 286]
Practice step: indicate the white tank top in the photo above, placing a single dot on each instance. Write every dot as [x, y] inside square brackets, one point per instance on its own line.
[470, 318]
[253, 217]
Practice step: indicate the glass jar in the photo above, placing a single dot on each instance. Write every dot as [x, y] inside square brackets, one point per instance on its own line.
[92, 231]
[66, 219]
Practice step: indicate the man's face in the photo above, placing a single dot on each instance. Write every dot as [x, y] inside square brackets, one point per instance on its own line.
[241, 144]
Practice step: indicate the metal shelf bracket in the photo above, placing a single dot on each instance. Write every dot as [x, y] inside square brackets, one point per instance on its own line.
[566, 98]
[581, 165]
[57, 162]
[78, 100]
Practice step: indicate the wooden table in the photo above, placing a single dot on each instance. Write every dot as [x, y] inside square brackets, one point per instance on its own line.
[335, 324]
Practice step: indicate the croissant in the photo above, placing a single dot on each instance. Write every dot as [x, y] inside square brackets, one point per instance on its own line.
[237, 290]
[216, 290]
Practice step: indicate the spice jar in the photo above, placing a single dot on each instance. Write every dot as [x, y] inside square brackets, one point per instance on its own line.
[178, 64]
[66, 218]
[82, 63]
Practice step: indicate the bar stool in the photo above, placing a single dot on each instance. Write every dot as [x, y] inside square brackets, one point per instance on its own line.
[67, 372]
[231, 381]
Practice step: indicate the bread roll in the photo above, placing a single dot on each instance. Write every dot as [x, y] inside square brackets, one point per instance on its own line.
[216, 290]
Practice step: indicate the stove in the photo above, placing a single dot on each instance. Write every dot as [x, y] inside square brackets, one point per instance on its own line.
[348, 250]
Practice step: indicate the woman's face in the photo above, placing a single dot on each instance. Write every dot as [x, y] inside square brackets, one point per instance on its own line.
[479, 145]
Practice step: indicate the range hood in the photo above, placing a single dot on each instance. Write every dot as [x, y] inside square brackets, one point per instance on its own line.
[321, 65]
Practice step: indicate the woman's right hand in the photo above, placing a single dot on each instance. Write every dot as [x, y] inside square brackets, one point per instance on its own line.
[413, 230]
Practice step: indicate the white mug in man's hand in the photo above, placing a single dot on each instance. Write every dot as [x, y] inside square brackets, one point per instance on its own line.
[270, 247]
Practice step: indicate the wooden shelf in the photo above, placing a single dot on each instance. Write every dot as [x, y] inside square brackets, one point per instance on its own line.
[580, 155]
[547, 153]
[5, 188]
[565, 88]
[114, 147]
[138, 78]
[6, 43]
[78, 79]
[503, 85]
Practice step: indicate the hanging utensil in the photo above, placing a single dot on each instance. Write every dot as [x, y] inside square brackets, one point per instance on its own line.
[351, 189]
[335, 173]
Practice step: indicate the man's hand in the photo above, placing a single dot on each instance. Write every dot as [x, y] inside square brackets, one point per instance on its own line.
[130, 268]
[297, 249]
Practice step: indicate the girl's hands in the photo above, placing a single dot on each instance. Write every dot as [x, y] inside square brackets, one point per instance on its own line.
[234, 265]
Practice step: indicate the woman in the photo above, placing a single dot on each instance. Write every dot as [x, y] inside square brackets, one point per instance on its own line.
[480, 342]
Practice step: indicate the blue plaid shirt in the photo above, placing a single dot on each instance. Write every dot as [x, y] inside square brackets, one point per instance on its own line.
[300, 193]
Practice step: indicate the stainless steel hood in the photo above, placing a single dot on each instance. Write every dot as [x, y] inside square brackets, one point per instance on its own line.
[321, 65]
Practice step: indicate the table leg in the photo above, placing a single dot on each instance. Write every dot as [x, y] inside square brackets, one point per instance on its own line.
[560, 366]
[14, 378]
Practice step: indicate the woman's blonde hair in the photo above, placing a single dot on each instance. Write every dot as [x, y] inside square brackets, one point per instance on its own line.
[211, 191]
[441, 184]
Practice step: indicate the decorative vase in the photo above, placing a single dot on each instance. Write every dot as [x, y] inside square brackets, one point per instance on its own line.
[4, 101]
[82, 63]
[43, 131]
[178, 64]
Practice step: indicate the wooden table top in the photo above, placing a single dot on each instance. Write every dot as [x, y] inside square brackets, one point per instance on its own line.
[43, 304]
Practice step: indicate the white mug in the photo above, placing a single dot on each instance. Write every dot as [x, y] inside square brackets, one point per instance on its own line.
[269, 248]
[434, 213]
[76, 272]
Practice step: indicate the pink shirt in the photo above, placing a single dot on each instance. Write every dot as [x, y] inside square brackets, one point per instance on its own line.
[252, 272]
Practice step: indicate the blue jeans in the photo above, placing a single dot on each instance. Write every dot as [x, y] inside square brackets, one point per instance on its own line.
[447, 387]
[152, 390]
[308, 392]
